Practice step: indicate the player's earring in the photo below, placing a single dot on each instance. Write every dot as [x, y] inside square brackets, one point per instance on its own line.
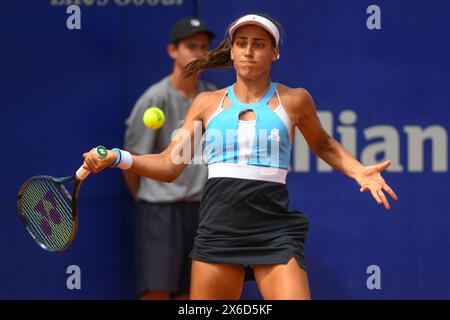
[277, 57]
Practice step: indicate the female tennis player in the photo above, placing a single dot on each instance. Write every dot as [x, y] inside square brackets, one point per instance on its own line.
[245, 223]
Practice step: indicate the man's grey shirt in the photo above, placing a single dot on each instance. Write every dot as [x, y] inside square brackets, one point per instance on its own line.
[141, 140]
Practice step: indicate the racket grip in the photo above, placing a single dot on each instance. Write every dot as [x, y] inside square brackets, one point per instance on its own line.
[82, 173]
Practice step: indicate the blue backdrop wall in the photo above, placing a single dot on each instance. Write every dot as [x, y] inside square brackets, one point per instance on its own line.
[381, 92]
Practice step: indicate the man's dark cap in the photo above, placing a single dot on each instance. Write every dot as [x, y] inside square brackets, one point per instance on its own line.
[187, 27]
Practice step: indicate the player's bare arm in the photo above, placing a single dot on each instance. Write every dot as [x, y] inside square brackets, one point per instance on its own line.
[302, 111]
[167, 165]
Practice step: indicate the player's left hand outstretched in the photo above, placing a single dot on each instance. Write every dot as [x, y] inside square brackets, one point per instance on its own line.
[370, 179]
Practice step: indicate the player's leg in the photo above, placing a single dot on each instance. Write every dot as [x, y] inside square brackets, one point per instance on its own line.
[214, 281]
[282, 281]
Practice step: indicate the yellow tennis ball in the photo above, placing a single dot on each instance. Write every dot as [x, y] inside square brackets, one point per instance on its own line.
[153, 118]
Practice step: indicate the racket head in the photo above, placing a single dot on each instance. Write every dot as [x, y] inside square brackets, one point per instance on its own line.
[48, 211]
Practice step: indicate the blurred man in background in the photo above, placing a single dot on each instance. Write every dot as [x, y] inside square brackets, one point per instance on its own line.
[166, 215]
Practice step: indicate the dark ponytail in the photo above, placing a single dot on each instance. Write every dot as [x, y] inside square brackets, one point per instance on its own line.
[217, 58]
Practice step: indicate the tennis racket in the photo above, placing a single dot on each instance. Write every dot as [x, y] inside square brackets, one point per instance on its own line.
[47, 209]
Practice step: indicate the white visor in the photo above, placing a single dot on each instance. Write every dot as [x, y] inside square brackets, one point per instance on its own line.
[259, 21]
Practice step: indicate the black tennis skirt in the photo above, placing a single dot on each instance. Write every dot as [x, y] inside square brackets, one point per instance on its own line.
[247, 222]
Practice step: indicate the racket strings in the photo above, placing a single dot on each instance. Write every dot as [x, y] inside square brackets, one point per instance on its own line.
[47, 207]
[46, 217]
[43, 214]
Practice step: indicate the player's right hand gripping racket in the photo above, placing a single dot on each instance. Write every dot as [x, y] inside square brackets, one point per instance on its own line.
[49, 211]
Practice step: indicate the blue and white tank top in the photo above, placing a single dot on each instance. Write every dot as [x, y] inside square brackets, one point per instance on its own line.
[258, 150]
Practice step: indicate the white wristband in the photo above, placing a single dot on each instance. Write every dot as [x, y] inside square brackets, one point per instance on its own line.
[126, 161]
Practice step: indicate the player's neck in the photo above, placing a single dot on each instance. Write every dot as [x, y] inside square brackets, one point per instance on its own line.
[249, 91]
[186, 87]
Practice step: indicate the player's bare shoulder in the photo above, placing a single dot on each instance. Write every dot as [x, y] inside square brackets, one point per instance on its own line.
[293, 96]
[297, 102]
[207, 102]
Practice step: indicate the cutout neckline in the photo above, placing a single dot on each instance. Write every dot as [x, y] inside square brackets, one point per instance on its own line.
[267, 96]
